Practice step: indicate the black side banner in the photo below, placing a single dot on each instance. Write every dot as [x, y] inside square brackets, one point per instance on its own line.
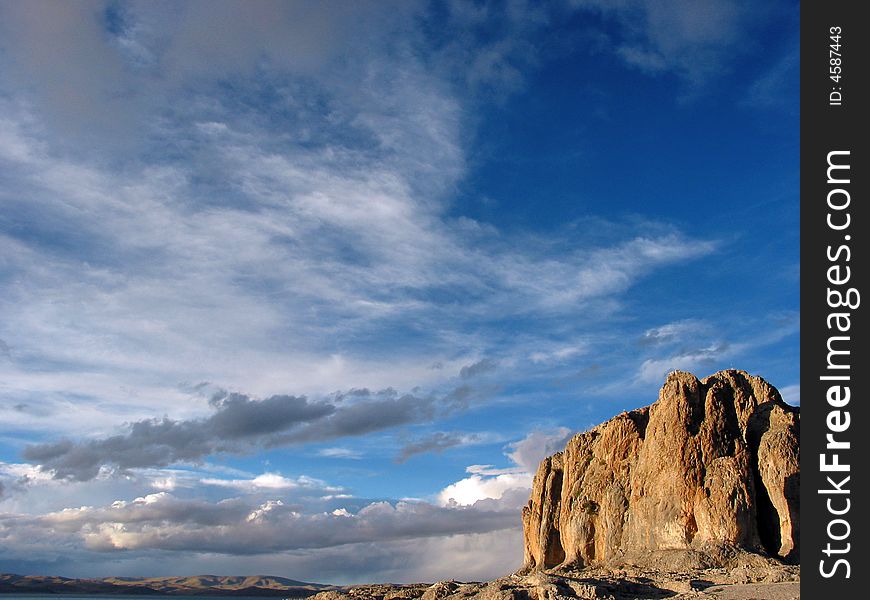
[834, 224]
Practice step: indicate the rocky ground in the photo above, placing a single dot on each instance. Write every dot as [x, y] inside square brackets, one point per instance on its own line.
[744, 581]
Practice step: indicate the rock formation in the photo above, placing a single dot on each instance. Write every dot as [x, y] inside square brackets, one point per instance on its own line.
[709, 469]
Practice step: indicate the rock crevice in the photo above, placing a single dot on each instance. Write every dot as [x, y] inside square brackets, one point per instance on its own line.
[709, 468]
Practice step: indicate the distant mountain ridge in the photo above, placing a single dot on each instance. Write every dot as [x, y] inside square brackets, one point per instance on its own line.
[197, 585]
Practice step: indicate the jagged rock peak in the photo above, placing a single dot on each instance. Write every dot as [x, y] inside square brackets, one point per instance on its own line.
[709, 469]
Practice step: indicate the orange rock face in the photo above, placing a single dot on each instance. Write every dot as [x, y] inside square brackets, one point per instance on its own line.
[712, 464]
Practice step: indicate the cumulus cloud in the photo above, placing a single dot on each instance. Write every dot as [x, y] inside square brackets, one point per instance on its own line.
[467, 557]
[32, 491]
[23, 471]
[508, 485]
[510, 488]
[237, 526]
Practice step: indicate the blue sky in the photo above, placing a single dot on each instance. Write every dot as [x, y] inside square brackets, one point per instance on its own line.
[309, 289]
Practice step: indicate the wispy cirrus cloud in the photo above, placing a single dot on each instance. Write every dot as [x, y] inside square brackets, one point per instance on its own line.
[679, 332]
[695, 40]
[339, 452]
[308, 251]
[701, 359]
[697, 346]
[334, 229]
[439, 441]
[270, 481]
[534, 447]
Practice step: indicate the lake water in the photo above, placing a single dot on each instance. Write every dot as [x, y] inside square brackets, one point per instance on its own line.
[17, 596]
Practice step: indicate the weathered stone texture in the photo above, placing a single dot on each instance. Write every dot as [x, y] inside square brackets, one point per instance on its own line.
[712, 464]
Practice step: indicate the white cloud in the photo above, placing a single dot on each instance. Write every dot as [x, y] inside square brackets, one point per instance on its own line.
[792, 394]
[697, 346]
[558, 354]
[532, 449]
[239, 423]
[264, 509]
[24, 472]
[490, 470]
[107, 84]
[235, 526]
[228, 535]
[702, 359]
[685, 331]
[696, 40]
[338, 452]
[269, 481]
[466, 492]
[318, 244]
[487, 482]
[466, 557]
[469, 557]
[172, 239]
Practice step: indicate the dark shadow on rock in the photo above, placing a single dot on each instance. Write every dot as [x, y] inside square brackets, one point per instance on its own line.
[767, 519]
[793, 494]
[624, 590]
[700, 584]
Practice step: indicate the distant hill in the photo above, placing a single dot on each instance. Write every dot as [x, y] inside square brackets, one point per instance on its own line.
[197, 585]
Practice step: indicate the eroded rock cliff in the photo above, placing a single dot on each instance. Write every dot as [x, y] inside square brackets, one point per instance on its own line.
[710, 468]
